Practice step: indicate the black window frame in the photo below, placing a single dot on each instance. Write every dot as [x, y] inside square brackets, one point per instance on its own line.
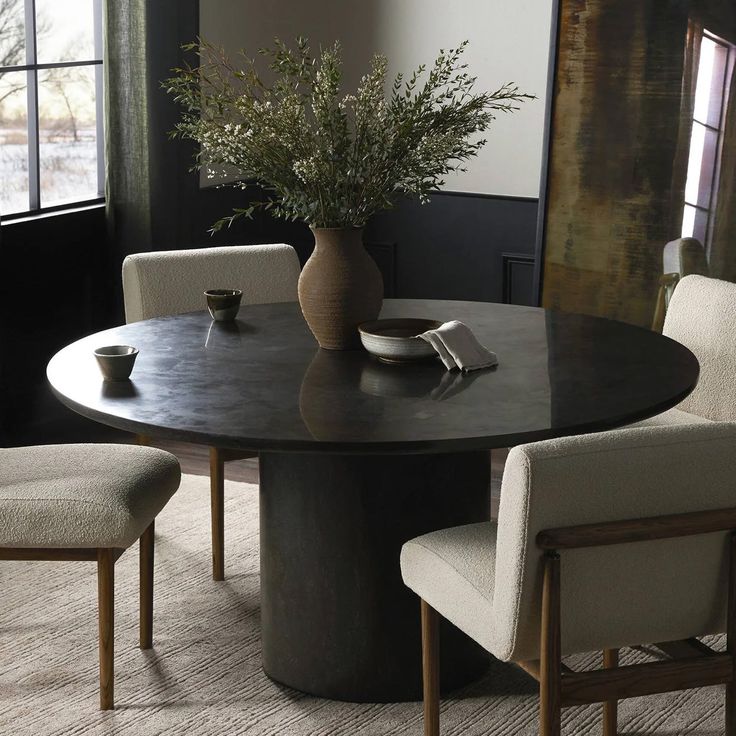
[32, 67]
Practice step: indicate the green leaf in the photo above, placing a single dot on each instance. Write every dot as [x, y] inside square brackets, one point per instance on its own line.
[324, 156]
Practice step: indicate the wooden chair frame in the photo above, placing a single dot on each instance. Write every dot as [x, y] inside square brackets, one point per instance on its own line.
[106, 557]
[690, 663]
[218, 458]
[667, 283]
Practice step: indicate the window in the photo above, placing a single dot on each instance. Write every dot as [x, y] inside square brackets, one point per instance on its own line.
[715, 68]
[51, 136]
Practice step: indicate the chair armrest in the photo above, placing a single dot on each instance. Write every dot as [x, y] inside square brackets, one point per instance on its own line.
[638, 530]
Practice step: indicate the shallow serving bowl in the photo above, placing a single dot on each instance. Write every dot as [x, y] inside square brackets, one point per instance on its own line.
[396, 341]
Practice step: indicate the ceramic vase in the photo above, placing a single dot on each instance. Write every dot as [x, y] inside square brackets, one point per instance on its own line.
[340, 286]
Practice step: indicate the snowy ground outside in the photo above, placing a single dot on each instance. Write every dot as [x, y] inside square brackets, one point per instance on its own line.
[68, 169]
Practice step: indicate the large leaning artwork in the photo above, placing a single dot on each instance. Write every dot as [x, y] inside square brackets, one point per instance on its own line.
[642, 150]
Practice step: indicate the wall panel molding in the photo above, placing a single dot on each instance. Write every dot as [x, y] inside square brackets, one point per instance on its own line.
[518, 279]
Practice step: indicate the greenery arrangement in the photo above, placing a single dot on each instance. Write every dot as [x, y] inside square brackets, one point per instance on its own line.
[325, 157]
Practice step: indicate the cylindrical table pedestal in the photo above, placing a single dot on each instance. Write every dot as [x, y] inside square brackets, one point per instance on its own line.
[337, 620]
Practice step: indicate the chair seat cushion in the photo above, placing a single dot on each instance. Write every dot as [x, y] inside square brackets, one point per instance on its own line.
[90, 495]
[453, 570]
[670, 417]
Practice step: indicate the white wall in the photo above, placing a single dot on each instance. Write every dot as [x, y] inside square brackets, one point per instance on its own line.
[509, 41]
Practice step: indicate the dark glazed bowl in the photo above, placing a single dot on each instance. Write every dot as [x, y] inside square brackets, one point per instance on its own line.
[223, 304]
[116, 361]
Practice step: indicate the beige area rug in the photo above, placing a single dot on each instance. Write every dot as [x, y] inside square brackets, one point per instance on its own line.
[204, 675]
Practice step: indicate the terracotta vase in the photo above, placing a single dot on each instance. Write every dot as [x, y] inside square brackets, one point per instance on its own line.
[340, 286]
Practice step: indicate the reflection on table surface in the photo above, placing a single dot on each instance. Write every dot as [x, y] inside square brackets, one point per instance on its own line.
[261, 382]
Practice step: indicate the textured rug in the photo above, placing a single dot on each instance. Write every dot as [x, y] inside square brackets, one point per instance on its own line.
[204, 675]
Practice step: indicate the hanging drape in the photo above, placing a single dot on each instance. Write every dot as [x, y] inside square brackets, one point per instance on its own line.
[723, 243]
[147, 175]
[717, 16]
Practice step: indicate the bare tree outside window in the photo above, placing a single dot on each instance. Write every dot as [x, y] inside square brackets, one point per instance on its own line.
[12, 33]
[51, 149]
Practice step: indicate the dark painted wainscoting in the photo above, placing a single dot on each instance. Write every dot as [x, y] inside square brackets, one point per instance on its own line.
[458, 246]
[55, 282]
[461, 246]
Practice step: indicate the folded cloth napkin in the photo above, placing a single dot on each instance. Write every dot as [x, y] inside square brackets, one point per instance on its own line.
[458, 347]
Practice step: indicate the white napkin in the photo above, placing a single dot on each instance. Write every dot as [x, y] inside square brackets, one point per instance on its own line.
[458, 347]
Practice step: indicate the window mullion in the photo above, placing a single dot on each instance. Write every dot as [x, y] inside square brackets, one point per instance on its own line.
[99, 98]
[34, 184]
[33, 72]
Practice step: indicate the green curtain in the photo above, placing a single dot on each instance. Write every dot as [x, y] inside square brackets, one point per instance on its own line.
[147, 174]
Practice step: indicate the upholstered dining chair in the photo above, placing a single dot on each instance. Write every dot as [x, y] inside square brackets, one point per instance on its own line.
[602, 541]
[685, 257]
[88, 502]
[702, 316]
[681, 257]
[161, 283]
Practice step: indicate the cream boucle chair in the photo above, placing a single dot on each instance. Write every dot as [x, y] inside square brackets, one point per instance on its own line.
[172, 282]
[602, 541]
[685, 257]
[680, 257]
[87, 502]
[702, 316]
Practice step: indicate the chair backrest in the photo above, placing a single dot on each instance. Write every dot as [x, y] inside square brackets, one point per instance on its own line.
[171, 282]
[638, 593]
[702, 316]
[684, 256]
[680, 257]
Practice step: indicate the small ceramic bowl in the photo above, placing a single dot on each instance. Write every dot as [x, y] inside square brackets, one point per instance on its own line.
[396, 341]
[223, 304]
[116, 361]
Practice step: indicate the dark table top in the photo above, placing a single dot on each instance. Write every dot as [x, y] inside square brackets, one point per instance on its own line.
[262, 383]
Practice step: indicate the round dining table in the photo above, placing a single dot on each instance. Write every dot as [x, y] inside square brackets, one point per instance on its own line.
[358, 456]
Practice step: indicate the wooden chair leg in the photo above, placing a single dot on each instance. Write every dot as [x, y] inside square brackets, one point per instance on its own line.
[431, 669]
[610, 707]
[731, 638]
[146, 587]
[550, 708]
[106, 616]
[217, 500]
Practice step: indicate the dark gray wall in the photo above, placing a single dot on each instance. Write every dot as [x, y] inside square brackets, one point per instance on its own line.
[55, 287]
[459, 246]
